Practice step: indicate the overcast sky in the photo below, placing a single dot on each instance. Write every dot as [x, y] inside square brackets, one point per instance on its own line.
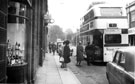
[67, 13]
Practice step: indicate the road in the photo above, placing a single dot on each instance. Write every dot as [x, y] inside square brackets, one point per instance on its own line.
[93, 74]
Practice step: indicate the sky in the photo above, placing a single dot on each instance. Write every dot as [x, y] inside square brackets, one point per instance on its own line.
[67, 13]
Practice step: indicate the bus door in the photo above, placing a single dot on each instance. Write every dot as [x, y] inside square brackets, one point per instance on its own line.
[98, 42]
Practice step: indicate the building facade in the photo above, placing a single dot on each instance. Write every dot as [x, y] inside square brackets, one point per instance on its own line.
[131, 20]
[22, 24]
[3, 37]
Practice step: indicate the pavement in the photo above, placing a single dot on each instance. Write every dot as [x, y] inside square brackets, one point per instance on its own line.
[51, 73]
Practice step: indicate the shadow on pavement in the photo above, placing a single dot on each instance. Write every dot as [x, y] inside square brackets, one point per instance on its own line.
[99, 63]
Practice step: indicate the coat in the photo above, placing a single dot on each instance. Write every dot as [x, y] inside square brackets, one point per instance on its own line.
[53, 47]
[80, 53]
[66, 54]
[89, 49]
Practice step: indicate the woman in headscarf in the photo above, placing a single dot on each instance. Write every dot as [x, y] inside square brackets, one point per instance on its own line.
[66, 53]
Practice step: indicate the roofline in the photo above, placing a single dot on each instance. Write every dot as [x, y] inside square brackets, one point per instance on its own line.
[130, 4]
[102, 5]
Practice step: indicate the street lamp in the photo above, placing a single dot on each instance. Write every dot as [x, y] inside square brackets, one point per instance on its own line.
[48, 19]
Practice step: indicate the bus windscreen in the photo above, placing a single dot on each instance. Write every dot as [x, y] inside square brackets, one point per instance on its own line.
[112, 38]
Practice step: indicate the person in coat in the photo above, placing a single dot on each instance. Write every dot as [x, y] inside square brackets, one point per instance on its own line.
[66, 53]
[53, 48]
[89, 49]
[79, 54]
[60, 52]
[50, 47]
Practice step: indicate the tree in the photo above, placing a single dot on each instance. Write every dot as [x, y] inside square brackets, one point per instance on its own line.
[69, 34]
[54, 33]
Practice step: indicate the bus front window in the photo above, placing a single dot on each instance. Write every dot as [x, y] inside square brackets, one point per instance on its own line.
[112, 38]
[111, 11]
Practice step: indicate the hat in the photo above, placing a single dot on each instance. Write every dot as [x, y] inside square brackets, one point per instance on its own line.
[66, 42]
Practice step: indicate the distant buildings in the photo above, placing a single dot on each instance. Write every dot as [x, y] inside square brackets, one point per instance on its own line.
[131, 20]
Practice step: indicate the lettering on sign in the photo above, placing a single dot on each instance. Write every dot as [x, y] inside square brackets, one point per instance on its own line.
[112, 31]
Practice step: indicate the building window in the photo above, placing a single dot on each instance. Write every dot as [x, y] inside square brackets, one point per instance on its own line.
[16, 30]
[133, 16]
[17, 8]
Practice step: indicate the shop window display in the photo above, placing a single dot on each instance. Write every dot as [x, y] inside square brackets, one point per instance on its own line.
[16, 29]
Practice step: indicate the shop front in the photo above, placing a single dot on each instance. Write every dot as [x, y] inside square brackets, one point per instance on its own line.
[131, 32]
[131, 20]
[23, 38]
[16, 42]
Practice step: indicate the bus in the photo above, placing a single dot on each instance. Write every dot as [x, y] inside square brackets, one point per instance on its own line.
[105, 26]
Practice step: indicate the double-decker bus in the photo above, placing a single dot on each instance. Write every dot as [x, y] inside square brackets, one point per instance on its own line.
[107, 27]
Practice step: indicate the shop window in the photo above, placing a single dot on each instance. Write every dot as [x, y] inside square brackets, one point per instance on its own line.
[3, 20]
[15, 19]
[16, 30]
[132, 24]
[132, 16]
[17, 8]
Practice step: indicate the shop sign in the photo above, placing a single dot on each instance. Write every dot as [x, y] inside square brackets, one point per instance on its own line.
[131, 31]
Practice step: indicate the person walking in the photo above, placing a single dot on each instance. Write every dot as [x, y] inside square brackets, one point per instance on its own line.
[53, 48]
[79, 54]
[66, 53]
[89, 49]
[50, 47]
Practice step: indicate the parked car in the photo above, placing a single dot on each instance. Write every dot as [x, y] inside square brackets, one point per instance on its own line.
[122, 69]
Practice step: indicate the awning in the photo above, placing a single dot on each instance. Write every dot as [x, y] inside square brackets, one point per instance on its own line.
[27, 2]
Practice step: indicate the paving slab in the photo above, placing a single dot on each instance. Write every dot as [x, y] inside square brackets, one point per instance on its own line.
[51, 73]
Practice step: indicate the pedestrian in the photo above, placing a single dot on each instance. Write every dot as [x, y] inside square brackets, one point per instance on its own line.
[66, 54]
[89, 49]
[53, 48]
[50, 47]
[71, 52]
[60, 52]
[79, 54]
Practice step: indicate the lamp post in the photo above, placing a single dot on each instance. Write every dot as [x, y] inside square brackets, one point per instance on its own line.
[47, 20]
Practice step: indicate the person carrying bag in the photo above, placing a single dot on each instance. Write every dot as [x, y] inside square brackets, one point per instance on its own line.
[66, 53]
[60, 53]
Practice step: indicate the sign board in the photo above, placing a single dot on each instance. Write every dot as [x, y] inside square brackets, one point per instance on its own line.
[131, 31]
[112, 31]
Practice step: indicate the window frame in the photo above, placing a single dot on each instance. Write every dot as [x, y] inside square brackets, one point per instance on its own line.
[104, 11]
[119, 63]
[114, 60]
[110, 42]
